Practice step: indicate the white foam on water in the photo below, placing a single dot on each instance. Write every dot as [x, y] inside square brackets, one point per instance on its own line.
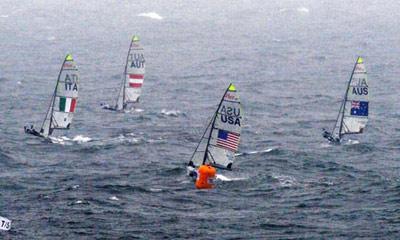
[81, 139]
[66, 140]
[114, 198]
[4, 16]
[227, 179]
[59, 140]
[173, 113]
[155, 189]
[51, 38]
[285, 181]
[255, 152]
[138, 110]
[303, 10]
[352, 142]
[152, 15]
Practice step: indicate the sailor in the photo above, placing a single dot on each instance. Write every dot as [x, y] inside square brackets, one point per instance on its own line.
[106, 106]
[329, 136]
[206, 175]
[31, 131]
[192, 171]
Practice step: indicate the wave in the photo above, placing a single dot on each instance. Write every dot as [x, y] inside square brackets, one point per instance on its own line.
[299, 9]
[285, 181]
[152, 15]
[228, 179]
[303, 10]
[134, 110]
[173, 113]
[66, 140]
[351, 142]
[256, 152]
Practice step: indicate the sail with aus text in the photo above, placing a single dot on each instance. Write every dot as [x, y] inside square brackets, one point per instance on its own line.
[131, 87]
[354, 111]
[63, 102]
[220, 141]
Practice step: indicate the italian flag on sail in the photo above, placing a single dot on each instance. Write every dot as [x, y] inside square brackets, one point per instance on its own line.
[135, 80]
[67, 104]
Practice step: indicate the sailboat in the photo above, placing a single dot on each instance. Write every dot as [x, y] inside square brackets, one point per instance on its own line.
[63, 103]
[353, 113]
[220, 140]
[132, 81]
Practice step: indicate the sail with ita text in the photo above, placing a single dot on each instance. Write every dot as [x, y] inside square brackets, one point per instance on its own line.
[353, 114]
[133, 77]
[220, 140]
[63, 102]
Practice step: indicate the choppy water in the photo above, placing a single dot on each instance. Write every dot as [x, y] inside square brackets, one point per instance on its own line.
[122, 176]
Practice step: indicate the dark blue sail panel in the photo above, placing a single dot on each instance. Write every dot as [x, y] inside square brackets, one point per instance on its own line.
[359, 108]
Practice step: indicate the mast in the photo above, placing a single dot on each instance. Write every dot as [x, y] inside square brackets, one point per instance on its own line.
[213, 123]
[345, 98]
[126, 66]
[54, 97]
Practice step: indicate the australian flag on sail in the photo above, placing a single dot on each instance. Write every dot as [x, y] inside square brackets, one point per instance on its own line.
[359, 108]
[228, 140]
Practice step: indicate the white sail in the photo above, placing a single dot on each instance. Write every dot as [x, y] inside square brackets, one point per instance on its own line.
[134, 72]
[64, 100]
[221, 139]
[356, 104]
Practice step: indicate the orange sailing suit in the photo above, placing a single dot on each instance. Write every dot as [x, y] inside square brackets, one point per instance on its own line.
[206, 176]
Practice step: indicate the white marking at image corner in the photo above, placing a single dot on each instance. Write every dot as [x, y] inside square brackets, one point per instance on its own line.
[5, 224]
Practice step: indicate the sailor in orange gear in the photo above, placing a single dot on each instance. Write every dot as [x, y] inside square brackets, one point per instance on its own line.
[205, 177]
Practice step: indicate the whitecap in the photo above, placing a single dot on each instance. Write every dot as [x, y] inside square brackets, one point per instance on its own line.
[152, 15]
[227, 179]
[51, 38]
[173, 113]
[255, 152]
[285, 181]
[352, 142]
[114, 198]
[81, 139]
[155, 189]
[303, 10]
[59, 140]
[4, 16]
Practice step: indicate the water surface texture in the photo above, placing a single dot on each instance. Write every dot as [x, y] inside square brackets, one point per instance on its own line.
[122, 176]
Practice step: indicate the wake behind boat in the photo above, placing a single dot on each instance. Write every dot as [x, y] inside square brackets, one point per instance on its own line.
[131, 85]
[220, 140]
[353, 113]
[60, 113]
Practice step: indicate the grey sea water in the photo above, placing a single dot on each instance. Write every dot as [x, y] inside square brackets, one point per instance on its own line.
[122, 176]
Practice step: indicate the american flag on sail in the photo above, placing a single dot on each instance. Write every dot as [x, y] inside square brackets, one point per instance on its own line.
[135, 80]
[228, 140]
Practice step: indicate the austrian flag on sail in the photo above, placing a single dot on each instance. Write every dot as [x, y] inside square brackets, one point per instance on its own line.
[67, 104]
[136, 80]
